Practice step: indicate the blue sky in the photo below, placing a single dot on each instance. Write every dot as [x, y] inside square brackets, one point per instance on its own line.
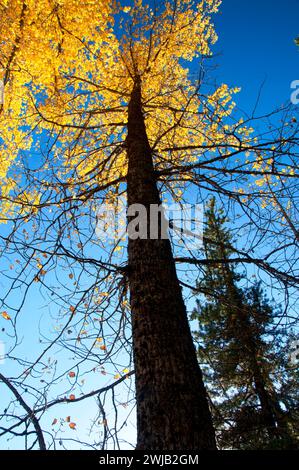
[256, 45]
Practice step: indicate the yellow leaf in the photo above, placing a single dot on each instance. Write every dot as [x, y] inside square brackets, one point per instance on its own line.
[6, 316]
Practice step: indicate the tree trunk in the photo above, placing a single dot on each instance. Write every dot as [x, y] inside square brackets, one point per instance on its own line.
[272, 413]
[268, 410]
[172, 406]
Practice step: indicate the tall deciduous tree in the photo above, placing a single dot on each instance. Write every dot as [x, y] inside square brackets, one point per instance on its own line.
[98, 103]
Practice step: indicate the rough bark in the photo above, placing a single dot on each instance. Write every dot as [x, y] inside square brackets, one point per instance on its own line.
[172, 406]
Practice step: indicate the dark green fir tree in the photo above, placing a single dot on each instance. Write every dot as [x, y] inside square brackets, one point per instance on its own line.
[243, 351]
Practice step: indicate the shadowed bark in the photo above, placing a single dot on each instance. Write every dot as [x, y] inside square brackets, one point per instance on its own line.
[172, 406]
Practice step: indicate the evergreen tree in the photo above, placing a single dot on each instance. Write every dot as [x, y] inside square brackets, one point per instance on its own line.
[246, 368]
